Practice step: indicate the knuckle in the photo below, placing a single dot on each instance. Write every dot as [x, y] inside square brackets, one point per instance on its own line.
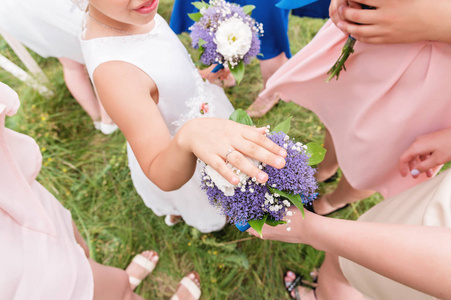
[253, 148]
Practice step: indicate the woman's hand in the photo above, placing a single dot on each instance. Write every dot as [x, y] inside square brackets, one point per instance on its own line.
[426, 154]
[394, 21]
[210, 139]
[222, 74]
[295, 231]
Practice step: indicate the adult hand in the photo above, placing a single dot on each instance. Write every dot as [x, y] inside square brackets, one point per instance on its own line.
[295, 231]
[426, 154]
[210, 139]
[395, 21]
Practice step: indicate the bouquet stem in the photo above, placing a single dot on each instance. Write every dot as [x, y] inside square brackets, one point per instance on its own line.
[339, 65]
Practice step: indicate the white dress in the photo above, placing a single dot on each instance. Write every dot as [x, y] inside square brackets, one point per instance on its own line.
[182, 91]
[48, 27]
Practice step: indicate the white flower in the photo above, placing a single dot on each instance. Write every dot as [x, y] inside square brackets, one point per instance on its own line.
[223, 184]
[233, 37]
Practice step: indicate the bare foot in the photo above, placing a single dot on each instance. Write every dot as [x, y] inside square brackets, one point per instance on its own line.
[141, 266]
[304, 293]
[189, 288]
[322, 205]
[261, 106]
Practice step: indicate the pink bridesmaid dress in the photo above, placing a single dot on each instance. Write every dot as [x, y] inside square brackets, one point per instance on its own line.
[389, 95]
[39, 257]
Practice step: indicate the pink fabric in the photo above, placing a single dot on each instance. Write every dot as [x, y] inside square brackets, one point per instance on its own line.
[389, 95]
[39, 257]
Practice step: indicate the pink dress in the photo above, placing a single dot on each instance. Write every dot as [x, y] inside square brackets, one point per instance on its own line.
[389, 95]
[39, 257]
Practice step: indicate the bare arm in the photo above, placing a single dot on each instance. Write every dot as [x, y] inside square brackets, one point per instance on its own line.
[417, 256]
[126, 93]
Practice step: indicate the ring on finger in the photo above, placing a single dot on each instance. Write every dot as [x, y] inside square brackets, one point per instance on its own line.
[228, 152]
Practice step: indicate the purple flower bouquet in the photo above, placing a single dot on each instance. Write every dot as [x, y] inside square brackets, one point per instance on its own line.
[226, 35]
[254, 203]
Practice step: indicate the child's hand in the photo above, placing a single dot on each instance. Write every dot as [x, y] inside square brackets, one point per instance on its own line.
[401, 21]
[211, 77]
[211, 139]
[426, 154]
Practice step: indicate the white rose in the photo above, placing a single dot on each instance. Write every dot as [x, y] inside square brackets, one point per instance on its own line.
[223, 184]
[233, 37]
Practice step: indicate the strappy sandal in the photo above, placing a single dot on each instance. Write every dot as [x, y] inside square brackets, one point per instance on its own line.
[190, 285]
[298, 281]
[147, 266]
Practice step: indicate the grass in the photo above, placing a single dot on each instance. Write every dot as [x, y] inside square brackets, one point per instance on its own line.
[88, 173]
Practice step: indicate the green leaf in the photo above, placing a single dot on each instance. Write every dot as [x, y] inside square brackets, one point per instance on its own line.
[274, 223]
[240, 116]
[295, 199]
[201, 51]
[200, 4]
[195, 16]
[248, 9]
[316, 153]
[201, 42]
[284, 126]
[238, 71]
[257, 225]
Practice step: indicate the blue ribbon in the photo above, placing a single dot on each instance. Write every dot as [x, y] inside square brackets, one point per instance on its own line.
[217, 68]
[242, 226]
[292, 4]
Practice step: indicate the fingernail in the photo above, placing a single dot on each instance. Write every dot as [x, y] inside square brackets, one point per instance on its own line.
[279, 161]
[283, 152]
[415, 172]
[340, 25]
[261, 176]
[235, 180]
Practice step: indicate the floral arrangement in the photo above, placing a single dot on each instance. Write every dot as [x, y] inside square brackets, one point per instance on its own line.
[226, 35]
[347, 50]
[254, 203]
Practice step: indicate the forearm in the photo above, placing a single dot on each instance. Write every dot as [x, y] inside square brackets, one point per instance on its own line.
[172, 167]
[417, 256]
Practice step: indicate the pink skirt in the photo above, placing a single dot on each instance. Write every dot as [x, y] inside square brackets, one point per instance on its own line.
[389, 95]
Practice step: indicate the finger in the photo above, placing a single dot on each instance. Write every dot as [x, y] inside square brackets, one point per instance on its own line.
[253, 232]
[414, 151]
[254, 135]
[413, 167]
[358, 15]
[430, 173]
[429, 164]
[221, 167]
[244, 165]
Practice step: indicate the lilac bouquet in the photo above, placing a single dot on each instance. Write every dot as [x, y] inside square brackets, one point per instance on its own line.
[226, 35]
[255, 203]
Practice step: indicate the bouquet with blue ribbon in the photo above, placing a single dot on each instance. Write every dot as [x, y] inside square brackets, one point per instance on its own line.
[252, 204]
[226, 35]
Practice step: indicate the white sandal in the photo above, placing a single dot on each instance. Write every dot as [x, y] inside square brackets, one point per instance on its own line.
[144, 263]
[191, 286]
[168, 221]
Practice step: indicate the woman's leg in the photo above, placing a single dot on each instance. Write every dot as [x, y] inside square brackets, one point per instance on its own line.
[332, 285]
[79, 85]
[329, 165]
[267, 67]
[111, 283]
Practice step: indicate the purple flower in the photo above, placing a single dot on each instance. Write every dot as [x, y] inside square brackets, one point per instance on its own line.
[252, 200]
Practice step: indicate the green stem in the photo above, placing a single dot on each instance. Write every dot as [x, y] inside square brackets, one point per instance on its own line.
[339, 65]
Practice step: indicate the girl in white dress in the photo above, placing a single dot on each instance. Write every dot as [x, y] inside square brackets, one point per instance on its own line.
[51, 29]
[150, 87]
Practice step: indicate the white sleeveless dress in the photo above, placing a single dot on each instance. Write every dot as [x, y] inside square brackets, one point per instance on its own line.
[48, 27]
[182, 91]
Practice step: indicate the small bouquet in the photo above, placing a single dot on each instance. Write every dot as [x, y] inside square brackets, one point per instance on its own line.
[347, 50]
[254, 204]
[226, 35]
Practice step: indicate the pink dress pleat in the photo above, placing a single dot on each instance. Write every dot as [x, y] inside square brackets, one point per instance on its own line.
[389, 95]
[39, 257]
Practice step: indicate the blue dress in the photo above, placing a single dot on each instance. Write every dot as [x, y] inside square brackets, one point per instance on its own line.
[275, 24]
[318, 9]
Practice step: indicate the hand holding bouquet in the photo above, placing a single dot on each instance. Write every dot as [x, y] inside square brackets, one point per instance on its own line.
[255, 203]
[226, 35]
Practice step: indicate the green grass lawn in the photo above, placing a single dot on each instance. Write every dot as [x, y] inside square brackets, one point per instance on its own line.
[87, 171]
